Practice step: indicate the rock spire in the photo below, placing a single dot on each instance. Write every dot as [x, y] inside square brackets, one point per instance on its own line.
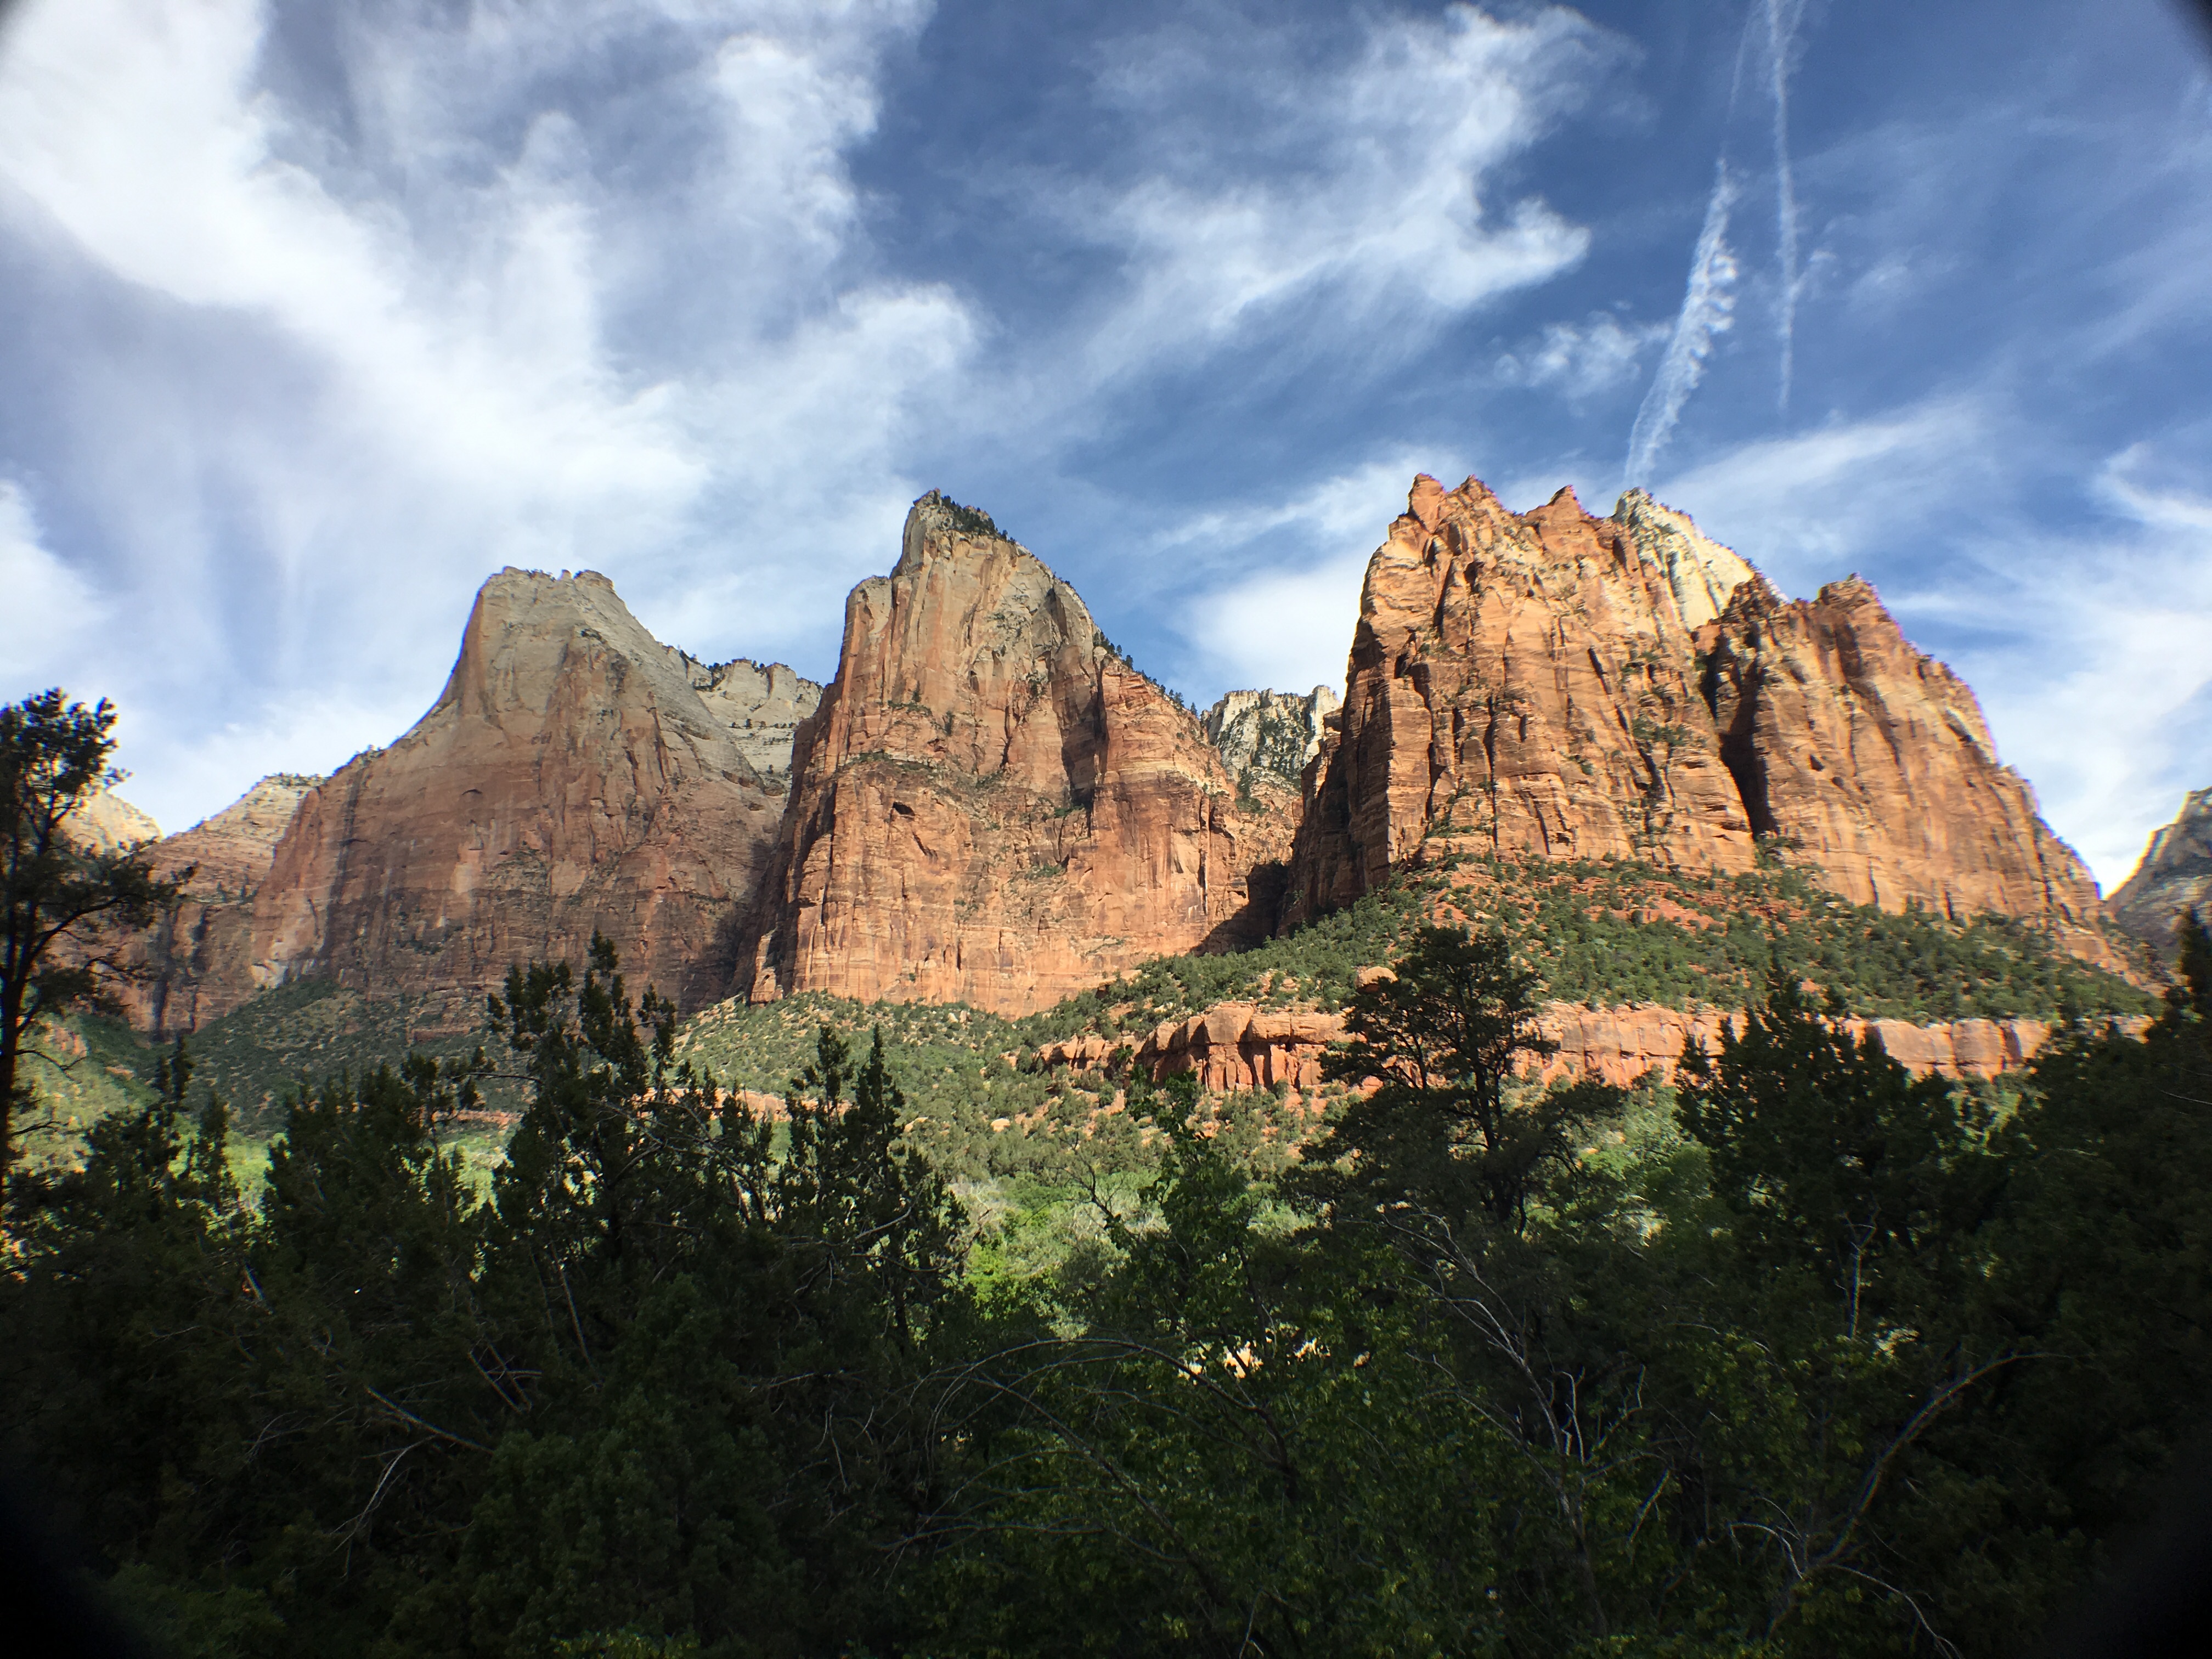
[992, 806]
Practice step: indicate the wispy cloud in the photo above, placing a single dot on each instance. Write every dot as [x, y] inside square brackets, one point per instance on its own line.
[481, 310]
[1708, 310]
[1286, 622]
[50, 607]
[1585, 360]
[1367, 183]
[2085, 646]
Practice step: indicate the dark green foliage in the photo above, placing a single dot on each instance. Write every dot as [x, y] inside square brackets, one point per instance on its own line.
[1812, 1358]
[967, 520]
[63, 905]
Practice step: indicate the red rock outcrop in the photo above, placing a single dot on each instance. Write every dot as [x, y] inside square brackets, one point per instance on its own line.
[1239, 1045]
[1876, 763]
[199, 963]
[1566, 686]
[991, 806]
[570, 780]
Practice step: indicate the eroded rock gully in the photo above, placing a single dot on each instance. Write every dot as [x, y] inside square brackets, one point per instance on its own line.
[992, 807]
[1567, 686]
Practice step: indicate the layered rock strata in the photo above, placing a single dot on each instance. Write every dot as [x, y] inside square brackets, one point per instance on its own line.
[991, 806]
[1566, 686]
[762, 704]
[570, 780]
[198, 964]
[1276, 731]
[2174, 876]
[1239, 1045]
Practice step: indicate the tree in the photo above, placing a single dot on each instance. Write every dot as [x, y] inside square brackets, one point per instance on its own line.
[61, 904]
[1442, 1037]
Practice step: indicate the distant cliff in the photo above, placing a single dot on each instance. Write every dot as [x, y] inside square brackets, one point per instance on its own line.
[1275, 731]
[992, 807]
[2175, 875]
[1575, 687]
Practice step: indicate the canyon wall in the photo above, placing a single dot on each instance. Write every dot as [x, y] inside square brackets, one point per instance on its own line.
[197, 964]
[1277, 732]
[571, 779]
[991, 806]
[1570, 687]
[2174, 876]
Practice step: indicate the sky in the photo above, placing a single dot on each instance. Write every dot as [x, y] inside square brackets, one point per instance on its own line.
[320, 311]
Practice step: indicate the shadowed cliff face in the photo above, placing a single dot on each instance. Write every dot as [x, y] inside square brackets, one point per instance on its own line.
[2174, 876]
[199, 961]
[570, 780]
[991, 806]
[1575, 687]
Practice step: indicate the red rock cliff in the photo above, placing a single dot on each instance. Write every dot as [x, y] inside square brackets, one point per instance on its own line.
[569, 778]
[198, 963]
[990, 806]
[1573, 687]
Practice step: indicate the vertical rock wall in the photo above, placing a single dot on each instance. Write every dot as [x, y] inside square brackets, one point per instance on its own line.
[991, 806]
[1560, 685]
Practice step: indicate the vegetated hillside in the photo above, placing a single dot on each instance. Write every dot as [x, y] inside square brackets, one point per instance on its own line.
[1601, 933]
[80, 1069]
[1607, 931]
[976, 1103]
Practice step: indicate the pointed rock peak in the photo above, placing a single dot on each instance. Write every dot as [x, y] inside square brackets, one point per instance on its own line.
[1702, 573]
[1426, 501]
[1563, 501]
[937, 523]
[107, 823]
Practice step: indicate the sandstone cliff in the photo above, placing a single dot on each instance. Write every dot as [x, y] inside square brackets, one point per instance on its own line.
[1242, 1046]
[108, 824]
[1568, 686]
[2175, 873]
[991, 806]
[762, 704]
[1277, 732]
[570, 779]
[199, 963]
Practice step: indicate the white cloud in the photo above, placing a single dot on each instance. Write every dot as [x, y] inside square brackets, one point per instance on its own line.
[1583, 361]
[50, 607]
[1365, 184]
[1288, 628]
[507, 318]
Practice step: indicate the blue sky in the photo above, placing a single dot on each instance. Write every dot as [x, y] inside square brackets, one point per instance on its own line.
[319, 312]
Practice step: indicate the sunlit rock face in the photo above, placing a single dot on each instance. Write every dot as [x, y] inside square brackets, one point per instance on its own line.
[2174, 876]
[1273, 731]
[1572, 687]
[761, 705]
[107, 823]
[992, 806]
[571, 780]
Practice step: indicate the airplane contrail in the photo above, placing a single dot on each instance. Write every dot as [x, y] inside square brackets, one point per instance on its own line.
[1708, 308]
[1783, 17]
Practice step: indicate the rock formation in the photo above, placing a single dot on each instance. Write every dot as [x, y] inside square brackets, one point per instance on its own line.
[198, 963]
[2174, 874]
[571, 779]
[762, 704]
[991, 806]
[1240, 1045]
[1563, 686]
[108, 824]
[1277, 732]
